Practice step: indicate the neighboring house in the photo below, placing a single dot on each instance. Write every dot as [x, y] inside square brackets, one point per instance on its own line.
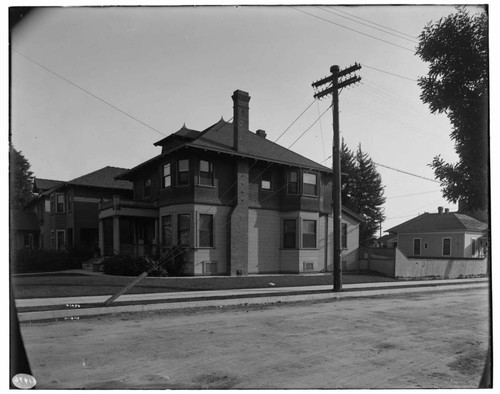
[387, 241]
[66, 213]
[241, 203]
[442, 234]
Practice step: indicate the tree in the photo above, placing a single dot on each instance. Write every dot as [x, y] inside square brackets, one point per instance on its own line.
[456, 48]
[362, 191]
[21, 180]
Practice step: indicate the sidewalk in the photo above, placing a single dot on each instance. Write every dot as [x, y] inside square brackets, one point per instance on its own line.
[72, 308]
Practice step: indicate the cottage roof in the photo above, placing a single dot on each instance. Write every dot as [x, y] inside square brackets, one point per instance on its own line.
[219, 138]
[431, 222]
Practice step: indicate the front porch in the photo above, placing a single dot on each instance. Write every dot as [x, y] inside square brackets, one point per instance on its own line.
[128, 227]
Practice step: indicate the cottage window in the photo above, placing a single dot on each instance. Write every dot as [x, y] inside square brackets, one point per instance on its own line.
[206, 231]
[293, 182]
[183, 230]
[289, 233]
[473, 247]
[147, 187]
[167, 230]
[59, 203]
[167, 177]
[446, 246]
[344, 235]
[310, 186]
[309, 233]
[206, 173]
[183, 172]
[417, 246]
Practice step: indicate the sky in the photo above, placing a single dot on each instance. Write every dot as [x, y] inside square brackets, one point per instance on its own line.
[92, 87]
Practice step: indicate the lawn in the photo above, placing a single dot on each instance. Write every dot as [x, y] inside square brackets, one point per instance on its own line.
[69, 285]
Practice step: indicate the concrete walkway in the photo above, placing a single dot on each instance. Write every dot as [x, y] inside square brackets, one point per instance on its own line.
[72, 308]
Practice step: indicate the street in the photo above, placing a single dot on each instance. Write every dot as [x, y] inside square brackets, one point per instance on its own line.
[425, 340]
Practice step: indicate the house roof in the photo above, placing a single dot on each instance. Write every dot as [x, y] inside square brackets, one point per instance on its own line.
[219, 138]
[105, 177]
[431, 222]
[41, 185]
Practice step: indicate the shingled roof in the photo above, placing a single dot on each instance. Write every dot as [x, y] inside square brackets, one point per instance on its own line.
[105, 177]
[40, 185]
[431, 222]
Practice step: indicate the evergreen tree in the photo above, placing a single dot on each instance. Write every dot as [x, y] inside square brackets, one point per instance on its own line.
[363, 192]
[456, 48]
[21, 180]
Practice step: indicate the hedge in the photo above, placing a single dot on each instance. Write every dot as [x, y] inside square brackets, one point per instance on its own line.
[44, 260]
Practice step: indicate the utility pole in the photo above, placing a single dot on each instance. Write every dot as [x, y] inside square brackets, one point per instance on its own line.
[335, 83]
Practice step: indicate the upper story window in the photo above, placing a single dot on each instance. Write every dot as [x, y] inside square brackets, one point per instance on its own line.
[446, 246]
[52, 203]
[48, 205]
[183, 172]
[59, 203]
[206, 173]
[293, 182]
[167, 176]
[147, 187]
[310, 184]
[69, 201]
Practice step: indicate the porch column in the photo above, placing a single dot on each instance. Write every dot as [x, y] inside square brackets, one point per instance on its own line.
[101, 237]
[116, 234]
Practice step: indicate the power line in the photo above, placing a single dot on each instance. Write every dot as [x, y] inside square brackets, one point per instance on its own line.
[390, 73]
[364, 24]
[406, 172]
[306, 130]
[281, 135]
[89, 93]
[415, 194]
[354, 30]
[376, 24]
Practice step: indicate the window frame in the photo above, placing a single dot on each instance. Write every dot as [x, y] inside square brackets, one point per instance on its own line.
[60, 206]
[443, 246]
[419, 246]
[474, 247]
[289, 182]
[146, 187]
[210, 173]
[304, 233]
[307, 185]
[181, 173]
[285, 243]
[166, 176]
[163, 232]
[181, 230]
[203, 232]
[59, 231]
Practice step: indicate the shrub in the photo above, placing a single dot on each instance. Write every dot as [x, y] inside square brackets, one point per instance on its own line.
[43, 260]
[126, 265]
[175, 260]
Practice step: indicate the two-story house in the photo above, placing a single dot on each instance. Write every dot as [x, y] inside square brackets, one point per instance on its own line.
[241, 203]
[66, 213]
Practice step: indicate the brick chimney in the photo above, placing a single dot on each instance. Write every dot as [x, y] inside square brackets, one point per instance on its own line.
[440, 210]
[240, 117]
[447, 210]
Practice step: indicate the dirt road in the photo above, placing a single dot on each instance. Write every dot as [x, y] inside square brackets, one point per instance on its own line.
[433, 340]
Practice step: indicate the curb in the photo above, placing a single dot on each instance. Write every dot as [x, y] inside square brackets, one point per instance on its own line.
[75, 314]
